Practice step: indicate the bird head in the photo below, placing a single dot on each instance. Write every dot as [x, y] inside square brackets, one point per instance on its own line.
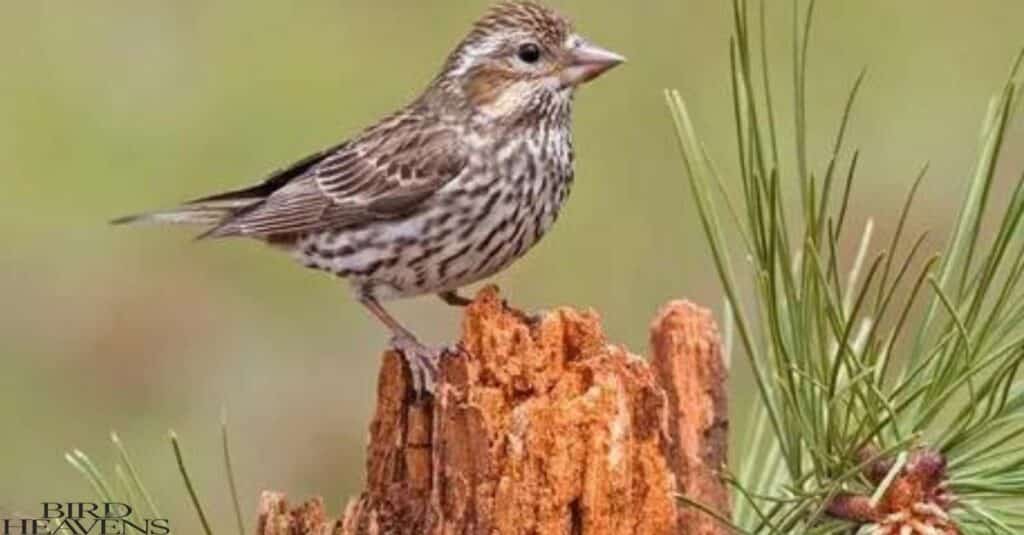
[521, 57]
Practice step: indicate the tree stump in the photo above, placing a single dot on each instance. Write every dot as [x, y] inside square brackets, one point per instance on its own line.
[542, 427]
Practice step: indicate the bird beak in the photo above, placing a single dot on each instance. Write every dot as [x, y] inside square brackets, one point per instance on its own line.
[588, 61]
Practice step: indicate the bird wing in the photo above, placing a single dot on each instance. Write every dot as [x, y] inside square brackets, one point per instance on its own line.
[273, 182]
[385, 173]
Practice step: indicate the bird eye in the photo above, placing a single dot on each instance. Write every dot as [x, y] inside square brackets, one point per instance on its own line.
[529, 53]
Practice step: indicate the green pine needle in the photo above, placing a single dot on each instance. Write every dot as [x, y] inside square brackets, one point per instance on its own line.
[834, 365]
[188, 483]
[230, 471]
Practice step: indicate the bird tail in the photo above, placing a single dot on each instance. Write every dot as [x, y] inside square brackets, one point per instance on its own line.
[207, 214]
[216, 212]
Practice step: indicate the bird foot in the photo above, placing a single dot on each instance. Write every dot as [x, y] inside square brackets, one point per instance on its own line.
[424, 362]
[455, 299]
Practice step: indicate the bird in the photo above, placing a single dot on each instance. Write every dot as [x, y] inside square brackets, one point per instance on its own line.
[445, 192]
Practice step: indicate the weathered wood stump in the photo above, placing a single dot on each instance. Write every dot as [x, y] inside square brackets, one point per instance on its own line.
[542, 428]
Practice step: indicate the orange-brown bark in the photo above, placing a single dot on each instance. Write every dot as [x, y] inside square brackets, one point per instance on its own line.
[542, 428]
[687, 357]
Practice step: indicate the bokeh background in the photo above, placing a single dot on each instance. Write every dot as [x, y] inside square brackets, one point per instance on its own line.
[112, 106]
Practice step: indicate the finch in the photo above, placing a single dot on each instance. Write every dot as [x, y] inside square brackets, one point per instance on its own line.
[443, 193]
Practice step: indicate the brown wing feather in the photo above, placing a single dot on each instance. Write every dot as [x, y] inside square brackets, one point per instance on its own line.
[273, 182]
[384, 173]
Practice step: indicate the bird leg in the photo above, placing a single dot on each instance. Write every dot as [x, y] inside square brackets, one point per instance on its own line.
[423, 361]
[454, 299]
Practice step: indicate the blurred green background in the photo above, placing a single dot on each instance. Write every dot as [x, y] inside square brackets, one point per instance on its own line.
[112, 106]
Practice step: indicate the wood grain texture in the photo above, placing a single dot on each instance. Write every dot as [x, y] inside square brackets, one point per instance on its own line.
[687, 357]
[541, 428]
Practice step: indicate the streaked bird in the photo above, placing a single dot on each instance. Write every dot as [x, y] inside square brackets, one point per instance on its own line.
[445, 192]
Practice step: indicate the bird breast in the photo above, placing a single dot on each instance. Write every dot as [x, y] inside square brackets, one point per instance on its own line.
[500, 205]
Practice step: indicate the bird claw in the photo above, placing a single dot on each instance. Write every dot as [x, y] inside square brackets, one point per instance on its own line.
[424, 363]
